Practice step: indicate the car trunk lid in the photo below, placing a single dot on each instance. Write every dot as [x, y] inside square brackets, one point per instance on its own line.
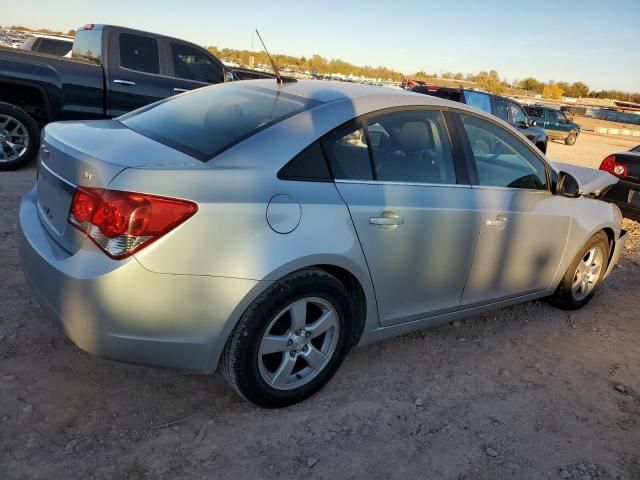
[89, 154]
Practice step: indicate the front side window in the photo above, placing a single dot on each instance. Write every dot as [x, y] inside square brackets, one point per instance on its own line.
[517, 114]
[411, 146]
[191, 64]
[562, 118]
[552, 116]
[501, 159]
[207, 121]
[139, 53]
[536, 112]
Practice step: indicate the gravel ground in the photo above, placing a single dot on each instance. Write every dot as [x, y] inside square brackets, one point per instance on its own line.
[528, 392]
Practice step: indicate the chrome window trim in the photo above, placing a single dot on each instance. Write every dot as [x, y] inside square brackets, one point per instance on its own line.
[402, 184]
[514, 189]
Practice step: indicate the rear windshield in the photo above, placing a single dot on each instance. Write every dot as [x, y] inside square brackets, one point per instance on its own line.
[209, 120]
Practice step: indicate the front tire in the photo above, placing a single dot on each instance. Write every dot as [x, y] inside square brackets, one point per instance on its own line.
[571, 139]
[291, 340]
[584, 274]
[19, 137]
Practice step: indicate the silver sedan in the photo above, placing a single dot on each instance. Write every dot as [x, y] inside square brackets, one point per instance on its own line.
[267, 229]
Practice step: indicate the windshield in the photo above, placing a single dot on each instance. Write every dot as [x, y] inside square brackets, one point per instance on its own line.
[209, 120]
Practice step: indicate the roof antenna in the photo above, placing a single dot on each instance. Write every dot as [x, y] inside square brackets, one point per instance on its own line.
[279, 78]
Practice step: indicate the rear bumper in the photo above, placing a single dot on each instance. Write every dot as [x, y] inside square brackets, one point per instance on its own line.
[121, 311]
[625, 195]
[618, 248]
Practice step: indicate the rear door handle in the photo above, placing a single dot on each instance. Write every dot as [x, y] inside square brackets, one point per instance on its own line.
[499, 221]
[387, 219]
[180, 90]
[127, 83]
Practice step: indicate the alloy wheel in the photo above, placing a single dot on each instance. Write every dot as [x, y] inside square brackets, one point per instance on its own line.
[587, 273]
[298, 343]
[14, 138]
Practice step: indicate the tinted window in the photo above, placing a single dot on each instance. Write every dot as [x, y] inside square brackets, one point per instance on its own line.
[500, 108]
[478, 100]
[139, 53]
[517, 114]
[536, 112]
[54, 47]
[87, 45]
[310, 165]
[502, 160]
[561, 117]
[192, 64]
[446, 93]
[552, 115]
[208, 120]
[411, 146]
[348, 154]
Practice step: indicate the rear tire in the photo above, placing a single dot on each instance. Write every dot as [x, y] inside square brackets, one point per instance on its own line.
[584, 274]
[19, 137]
[571, 139]
[265, 358]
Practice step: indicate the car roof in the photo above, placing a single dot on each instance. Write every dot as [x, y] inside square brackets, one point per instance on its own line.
[325, 91]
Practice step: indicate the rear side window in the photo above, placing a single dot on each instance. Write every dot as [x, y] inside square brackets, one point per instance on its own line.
[310, 166]
[192, 64]
[536, 112]
[139, 53]
[500, 108]
[348, 153]
[411, 146]
[87, 45]
[478, 100]
[209, 120]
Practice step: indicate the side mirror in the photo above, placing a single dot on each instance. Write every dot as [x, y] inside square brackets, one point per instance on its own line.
[533, 123]
[568, 185]
[229, 77]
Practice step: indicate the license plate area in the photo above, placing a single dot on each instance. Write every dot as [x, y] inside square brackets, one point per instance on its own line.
[54, 198]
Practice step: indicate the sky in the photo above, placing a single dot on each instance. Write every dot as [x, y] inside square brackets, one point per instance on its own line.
[593, 41]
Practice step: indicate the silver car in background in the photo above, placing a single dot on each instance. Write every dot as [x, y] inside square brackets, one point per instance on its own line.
[266, 229]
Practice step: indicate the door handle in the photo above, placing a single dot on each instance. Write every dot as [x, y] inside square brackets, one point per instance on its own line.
[500, 221]
[387, 219]
[127, 83]
[180, 90]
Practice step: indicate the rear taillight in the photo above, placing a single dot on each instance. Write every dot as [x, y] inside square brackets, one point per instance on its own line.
[611, 165]
[121, 223]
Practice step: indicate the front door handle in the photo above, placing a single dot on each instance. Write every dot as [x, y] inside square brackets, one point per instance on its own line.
[126, 83]
[388, 219]
[499, 222]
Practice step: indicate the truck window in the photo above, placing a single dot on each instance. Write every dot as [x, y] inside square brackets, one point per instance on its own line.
[478, 100]
[139, 53]
[500, 108]
[54, 47]
[536, 112]
[517, 114]
[87, 45]
[191, 64]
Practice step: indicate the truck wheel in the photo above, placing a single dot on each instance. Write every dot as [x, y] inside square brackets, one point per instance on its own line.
[571, 139]
[19, 137]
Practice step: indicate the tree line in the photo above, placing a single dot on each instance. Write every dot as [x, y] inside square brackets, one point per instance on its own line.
[46, 31]
[492, 82]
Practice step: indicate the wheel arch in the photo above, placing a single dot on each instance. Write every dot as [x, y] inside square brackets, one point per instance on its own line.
[31, 98]
[365, 307]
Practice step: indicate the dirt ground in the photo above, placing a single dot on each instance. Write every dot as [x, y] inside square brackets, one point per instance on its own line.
[528, 392]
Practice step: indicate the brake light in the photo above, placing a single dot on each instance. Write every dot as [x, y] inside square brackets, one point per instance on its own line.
[88, 26]
[122, 223]
[610, 164]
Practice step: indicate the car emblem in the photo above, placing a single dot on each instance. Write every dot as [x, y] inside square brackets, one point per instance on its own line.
[87, 175]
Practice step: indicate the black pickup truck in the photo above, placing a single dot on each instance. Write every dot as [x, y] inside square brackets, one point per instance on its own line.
[112, 70]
